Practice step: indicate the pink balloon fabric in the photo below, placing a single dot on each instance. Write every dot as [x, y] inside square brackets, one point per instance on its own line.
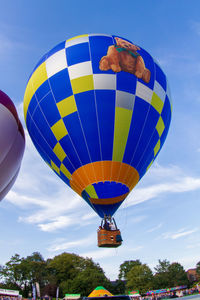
[12, 144]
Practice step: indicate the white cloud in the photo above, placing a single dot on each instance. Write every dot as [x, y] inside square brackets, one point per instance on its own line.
[189, 261]
[59, 222]
[180, 233]
[102, 253]
[163, 172]
[20, 111]
[134, 249]
[178, 185]
[43, 197]
[65, 245]
[89, 216]
[193, 246]
[138, 219]
[24, 201]
[54, 206]
[155, 228]
[98, 254]
[57, 214]
[64, 221]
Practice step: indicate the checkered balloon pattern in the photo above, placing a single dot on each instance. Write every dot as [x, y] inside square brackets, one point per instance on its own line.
[99, 130]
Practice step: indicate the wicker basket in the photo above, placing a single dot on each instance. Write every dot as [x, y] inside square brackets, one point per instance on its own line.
[109, 238]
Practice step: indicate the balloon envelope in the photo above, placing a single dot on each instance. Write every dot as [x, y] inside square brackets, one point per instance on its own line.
[12, 143]
[98, 110]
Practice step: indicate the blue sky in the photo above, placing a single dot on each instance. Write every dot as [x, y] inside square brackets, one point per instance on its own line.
[160, 218]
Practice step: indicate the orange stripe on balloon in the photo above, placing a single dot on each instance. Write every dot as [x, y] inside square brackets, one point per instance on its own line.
[106, 170]
[92, 173]
[115, 170]
[108, 200]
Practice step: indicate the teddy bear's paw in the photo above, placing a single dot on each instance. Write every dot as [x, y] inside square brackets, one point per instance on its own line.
[138, 74]
[146, 76]
[104, 64]
[115, 68]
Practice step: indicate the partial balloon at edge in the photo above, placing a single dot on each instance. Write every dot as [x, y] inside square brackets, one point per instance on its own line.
[12, 143]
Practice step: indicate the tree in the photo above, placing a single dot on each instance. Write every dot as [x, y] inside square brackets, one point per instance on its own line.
[21, 273]
[177, 275]
[84, 282]
[126, 267]
[64, 267]
[118, 288]
[163, 266]
[49, 289]
[140, 278]
[74, 273]
[11, 273]
[169, 275]
[36, 268]
[161, 277]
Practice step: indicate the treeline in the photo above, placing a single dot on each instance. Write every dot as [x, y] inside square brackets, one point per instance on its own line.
[75, 274]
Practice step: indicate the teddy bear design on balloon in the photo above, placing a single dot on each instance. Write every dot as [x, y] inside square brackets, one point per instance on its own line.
[124, 57]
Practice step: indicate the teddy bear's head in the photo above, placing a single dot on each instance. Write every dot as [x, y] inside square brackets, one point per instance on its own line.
[125, 44]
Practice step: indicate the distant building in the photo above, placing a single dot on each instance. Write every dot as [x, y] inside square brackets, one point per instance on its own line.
[192, 275]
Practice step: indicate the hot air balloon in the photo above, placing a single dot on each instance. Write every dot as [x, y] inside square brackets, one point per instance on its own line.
[12, 143]
[97, 108]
